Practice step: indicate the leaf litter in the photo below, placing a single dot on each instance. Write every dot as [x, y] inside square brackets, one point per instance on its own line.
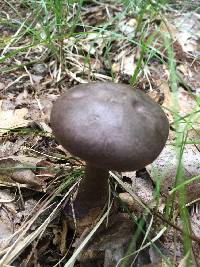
[33, 166]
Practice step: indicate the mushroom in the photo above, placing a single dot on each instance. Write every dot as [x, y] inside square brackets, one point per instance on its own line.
[111, 127]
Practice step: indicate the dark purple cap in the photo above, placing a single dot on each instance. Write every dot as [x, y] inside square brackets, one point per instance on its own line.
[110, 125]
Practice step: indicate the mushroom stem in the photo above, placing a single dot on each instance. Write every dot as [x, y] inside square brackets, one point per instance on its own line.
[92, 191]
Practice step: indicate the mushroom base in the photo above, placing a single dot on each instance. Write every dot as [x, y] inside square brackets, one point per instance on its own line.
[92, 192]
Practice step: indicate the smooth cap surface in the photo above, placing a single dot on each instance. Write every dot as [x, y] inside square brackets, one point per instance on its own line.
[110, 125]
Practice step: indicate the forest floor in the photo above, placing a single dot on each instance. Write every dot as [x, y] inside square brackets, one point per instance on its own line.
[47, 49]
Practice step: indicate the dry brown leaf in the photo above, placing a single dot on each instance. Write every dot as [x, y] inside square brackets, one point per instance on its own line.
[130, 202]
[116, 67]
[164, 168]
[186, 103]
[184, 69]
[13, 170]
[128, 65]
[11, 119]
[167, 104]
[168, 28]
[10, 148]
[188, 31]
[128, 27]
[143, 188]
[6, 228]
[7, 212]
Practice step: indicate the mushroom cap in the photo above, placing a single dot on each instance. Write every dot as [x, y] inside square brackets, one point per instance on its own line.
[110, 125]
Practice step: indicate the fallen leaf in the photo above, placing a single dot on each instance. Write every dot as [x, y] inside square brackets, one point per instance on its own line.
[11, 119]
[130, 202]
[188, 29]
[7, 212]
[10, 148]
[128, 27]
[6, 228]
[116, 67]
[27, 211]
[182, 101]
[142, 187]
[168, 102]
[13, 170]
[163, 169]
[128, 65]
